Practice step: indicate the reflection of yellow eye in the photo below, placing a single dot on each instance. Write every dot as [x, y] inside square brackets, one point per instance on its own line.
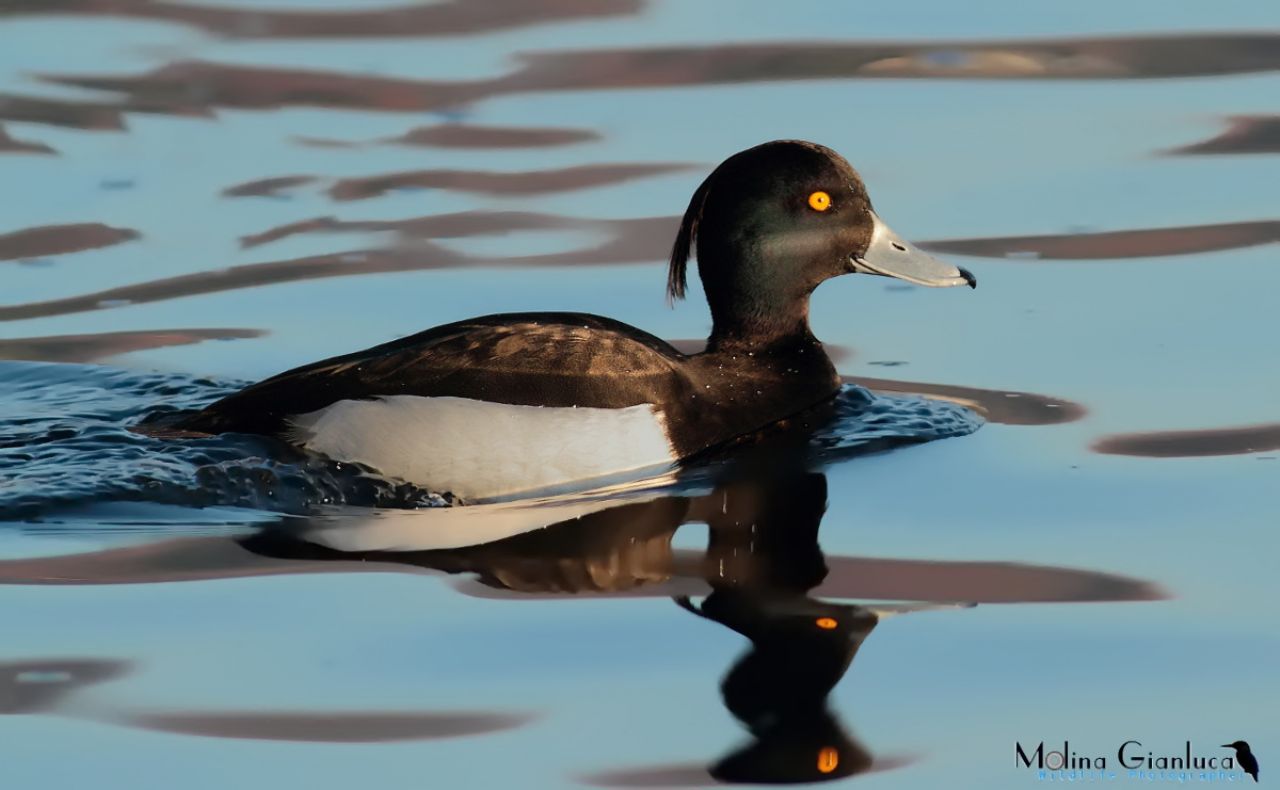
[819, 201]
[825, 623]
[828, 759]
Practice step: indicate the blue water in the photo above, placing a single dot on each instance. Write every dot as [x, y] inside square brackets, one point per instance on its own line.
[176, 612]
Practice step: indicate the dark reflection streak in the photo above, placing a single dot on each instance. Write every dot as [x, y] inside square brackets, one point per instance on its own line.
[537, 182]
[196, 86]
[92, 347]
[886, 579]
[47, 240]
[624, 551]
[184, 559]
[694, 774]
[267, 187]
[1141, 243]
[248, 276]
[667, 775]
[457, 135]
[44, 685]
[313, 225]
[455, 225]
[10, 145]
[1191, 444]
[188, 86]
[52, 685]
[326, 726]
[89, 116]
[1003, 406]
[1117, 57]
[468, 224]
[1245, 134]
[440, 18]
[323, 142]
[467, 136]
[97, 116]
[461, 135]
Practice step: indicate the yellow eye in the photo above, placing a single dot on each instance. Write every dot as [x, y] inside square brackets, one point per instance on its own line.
[825, 623]
[819, 201]
[828, 759]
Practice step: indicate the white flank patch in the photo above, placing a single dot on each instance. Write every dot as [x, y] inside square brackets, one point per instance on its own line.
[479, 450]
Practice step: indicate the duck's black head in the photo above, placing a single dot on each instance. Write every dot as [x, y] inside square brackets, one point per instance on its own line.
[772, 223]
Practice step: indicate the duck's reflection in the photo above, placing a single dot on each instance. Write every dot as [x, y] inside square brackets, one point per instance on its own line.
[778, 689]
[761, 562]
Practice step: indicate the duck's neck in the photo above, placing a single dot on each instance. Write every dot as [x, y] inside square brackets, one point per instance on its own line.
[785, 352]
[754, 300]
[779, 329]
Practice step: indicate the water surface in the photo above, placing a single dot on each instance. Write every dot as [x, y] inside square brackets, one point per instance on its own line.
[201, 194]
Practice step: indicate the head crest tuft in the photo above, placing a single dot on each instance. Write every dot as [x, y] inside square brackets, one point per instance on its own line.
[685, 239]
